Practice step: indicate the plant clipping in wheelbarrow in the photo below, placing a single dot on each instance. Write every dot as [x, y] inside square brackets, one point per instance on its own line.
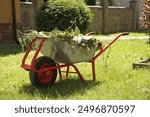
[68, 46]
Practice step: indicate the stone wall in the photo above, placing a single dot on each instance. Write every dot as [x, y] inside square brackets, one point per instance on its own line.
[27, 16]
[96, 24]
[6, 34]
[110, 19]
[118, 19]
[28, 12]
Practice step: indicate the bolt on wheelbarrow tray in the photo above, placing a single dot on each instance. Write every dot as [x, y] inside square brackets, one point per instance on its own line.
[64, 52]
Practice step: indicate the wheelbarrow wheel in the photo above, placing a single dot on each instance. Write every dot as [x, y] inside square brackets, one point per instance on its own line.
[43, 79]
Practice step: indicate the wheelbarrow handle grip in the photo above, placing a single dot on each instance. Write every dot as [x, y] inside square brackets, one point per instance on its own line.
[90, 33]
[125, 33]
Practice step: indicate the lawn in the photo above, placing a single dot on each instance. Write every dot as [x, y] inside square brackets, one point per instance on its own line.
[115, 77]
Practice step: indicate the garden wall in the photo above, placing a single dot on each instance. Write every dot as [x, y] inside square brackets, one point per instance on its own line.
[96, 24]
[105, 20]
[117, 19]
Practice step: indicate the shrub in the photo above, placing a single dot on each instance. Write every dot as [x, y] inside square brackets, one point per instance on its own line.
[111, 2]
[62, 14]
[91, 2]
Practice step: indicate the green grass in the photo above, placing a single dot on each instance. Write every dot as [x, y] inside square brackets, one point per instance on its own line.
[115, 77]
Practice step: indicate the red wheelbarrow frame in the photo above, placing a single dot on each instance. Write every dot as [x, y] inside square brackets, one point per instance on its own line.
[58, 66]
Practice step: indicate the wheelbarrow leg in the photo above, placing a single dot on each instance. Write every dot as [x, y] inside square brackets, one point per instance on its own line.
[59, 70]
[93, 70]
[67, 72]
[77, 71]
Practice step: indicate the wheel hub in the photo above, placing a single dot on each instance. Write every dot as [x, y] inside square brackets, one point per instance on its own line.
[46, 75]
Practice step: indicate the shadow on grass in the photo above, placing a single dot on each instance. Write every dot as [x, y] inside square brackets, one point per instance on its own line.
[4, 51]
[61, 89]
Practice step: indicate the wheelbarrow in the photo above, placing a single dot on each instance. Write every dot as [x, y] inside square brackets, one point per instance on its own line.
[43, 70]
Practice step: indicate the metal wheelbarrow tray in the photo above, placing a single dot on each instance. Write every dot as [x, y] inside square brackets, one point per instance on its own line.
[43, 70]
[63, 52]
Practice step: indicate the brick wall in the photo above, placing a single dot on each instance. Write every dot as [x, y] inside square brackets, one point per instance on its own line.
[6, 34]
[6, 19]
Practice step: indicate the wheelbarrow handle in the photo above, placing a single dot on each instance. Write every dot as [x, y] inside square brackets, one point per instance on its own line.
[125, 33]
[90, 33]
[103, 49]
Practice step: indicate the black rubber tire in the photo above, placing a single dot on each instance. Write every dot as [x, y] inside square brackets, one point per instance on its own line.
[34, 77]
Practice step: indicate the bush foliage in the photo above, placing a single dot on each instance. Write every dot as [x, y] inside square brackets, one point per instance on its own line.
[90, 2]
[62, 14]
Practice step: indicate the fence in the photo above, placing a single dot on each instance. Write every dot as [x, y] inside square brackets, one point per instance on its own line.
[110, 19]
[107, 19]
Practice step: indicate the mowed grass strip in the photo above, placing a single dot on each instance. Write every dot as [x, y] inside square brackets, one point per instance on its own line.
[115, 77]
